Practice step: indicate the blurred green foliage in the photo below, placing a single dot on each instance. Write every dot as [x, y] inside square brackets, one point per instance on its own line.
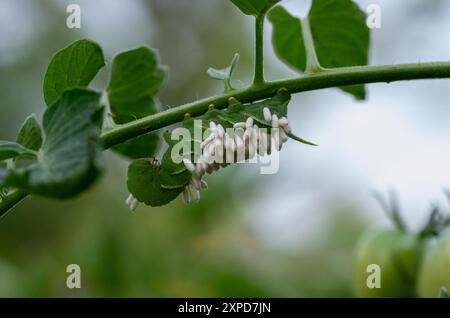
[203, 250]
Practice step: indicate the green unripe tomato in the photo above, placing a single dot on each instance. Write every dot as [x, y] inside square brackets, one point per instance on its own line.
[396, 255]
[435, 270]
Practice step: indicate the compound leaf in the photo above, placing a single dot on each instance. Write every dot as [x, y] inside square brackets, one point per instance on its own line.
[70, 159]
[73, 66]
[340, 37]
[136, 78]
[30, 134]
[287, 38]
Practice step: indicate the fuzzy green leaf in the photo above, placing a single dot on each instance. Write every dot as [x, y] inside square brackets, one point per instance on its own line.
[70, 159]
[30, 134]
[136, 78]
[11, 150]
[339, 33]
[287, 38]
[254, 7]
[73, 66]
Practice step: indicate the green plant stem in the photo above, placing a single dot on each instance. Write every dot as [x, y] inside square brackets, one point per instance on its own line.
[324, 79]
[313, 64]
[11, 200]
[259, 50]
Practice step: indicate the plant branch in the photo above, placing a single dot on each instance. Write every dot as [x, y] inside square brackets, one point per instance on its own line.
[324, 79]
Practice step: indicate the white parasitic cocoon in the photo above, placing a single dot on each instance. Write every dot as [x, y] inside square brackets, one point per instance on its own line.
[186, 196]
[239, 126]
[129, 199]
[277, 139]
[193, 193]
[254, 137]
[287, 129]
[232, 144]
[275, 121]
[240, 148]
[189, 165]
[218, 148]
[132, 203]
[229, 151]
[267, 114]
[204, 165]
[221, 131]
[216, 132]
[269, 144]
[199, 171]
[247, 134]
[209, 151]
[229, 143]
[283, 136]
[229, 156]
[251, 150]
[262, 143]
[196, 196]
[195, 182]
[283, 122]
[249, 123]
[207, 141]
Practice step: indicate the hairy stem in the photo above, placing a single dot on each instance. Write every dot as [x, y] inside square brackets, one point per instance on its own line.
[324, 79]
[259, 50]
[313, 64]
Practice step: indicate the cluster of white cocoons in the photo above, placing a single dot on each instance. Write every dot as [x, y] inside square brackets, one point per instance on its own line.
[132, 203]
[221, 149]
